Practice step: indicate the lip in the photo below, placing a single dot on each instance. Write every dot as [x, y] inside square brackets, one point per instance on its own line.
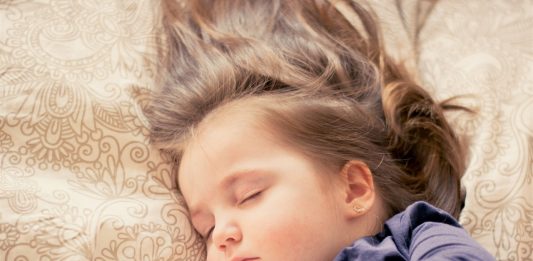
[244, 258]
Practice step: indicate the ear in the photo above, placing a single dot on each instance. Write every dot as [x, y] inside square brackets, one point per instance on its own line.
[358, 193]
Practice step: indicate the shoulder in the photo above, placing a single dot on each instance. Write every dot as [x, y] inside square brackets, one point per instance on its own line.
[430, 233]
[440, 241]
[421, 232]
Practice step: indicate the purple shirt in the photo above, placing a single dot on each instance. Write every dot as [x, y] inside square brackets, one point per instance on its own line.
[421, 232]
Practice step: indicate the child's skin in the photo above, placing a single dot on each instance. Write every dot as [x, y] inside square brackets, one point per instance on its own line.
[280, 205]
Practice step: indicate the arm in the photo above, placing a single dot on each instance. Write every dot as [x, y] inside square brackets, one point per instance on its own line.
[440, 241]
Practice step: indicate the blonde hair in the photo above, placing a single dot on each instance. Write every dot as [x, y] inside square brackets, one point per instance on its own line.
[325, 84]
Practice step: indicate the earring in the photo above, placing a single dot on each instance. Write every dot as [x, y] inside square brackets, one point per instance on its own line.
[358, 208]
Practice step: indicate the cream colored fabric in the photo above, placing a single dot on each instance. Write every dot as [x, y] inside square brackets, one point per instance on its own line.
[78, 180]
[485, 49]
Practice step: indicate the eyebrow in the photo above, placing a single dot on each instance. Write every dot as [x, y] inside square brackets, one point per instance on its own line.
[231, 180]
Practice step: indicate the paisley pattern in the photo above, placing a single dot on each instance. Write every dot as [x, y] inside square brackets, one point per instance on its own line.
[489, 60]
[79, 181]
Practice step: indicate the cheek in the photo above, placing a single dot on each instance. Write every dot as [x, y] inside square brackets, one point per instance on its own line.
[296, 227]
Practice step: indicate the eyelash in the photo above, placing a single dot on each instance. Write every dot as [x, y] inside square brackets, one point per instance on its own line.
[208, 235]
[255, 194]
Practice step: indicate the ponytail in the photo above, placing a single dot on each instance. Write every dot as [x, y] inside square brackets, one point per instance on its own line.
[424, 145]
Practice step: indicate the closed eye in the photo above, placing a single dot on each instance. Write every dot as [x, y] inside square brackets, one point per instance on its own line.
[208, 234]
[252, 196]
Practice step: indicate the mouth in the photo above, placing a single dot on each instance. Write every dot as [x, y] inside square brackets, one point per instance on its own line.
[244, 259]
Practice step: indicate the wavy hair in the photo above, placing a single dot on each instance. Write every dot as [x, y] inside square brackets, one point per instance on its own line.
[322, 81]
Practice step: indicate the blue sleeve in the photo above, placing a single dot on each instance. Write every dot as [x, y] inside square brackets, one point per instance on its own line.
[439, 241]
[421, 232]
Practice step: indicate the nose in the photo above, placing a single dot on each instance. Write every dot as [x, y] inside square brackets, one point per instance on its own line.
[226, 235]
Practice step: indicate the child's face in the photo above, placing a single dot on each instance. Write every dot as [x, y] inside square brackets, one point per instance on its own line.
[264, 199]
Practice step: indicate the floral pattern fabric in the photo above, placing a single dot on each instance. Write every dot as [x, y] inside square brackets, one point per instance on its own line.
[78, 179]
[483, 51]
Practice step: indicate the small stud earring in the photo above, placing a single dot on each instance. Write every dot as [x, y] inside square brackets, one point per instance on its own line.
[358, 208]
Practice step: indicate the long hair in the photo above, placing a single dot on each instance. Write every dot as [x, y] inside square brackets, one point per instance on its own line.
[322, 81]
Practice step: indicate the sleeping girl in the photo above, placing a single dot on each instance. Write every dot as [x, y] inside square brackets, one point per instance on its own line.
[295, 137]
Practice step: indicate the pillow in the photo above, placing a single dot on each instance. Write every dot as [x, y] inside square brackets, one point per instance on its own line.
[485, 53]
[78, 178]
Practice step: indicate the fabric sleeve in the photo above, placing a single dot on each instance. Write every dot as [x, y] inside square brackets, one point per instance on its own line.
[439, 241]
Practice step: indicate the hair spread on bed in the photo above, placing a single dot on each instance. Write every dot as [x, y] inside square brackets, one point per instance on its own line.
[322, 81]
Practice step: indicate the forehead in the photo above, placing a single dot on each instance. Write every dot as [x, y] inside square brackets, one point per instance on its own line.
[230, 140]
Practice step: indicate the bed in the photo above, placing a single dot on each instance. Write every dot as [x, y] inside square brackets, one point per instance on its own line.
[80, 181]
